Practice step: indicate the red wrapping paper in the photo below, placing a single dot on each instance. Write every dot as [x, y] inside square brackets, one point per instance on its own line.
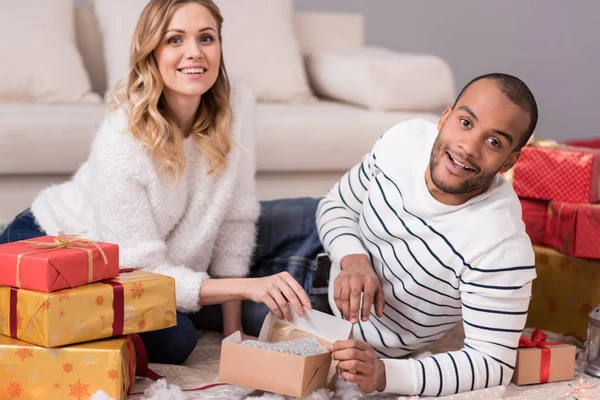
[593, 143]
[574, 229]
[535, 217]
[558, 172]
[70, 264]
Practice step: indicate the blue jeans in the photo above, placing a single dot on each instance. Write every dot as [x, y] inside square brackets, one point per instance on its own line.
[287, 240]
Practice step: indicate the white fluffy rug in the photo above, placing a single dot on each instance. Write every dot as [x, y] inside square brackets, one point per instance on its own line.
[202, 368]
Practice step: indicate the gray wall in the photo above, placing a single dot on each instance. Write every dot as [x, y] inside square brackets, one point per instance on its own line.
[554, 46]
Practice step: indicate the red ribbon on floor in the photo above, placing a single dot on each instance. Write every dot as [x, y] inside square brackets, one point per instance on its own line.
[538, 340]
[135, 344]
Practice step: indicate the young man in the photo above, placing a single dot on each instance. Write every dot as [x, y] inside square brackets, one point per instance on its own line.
[427, 232]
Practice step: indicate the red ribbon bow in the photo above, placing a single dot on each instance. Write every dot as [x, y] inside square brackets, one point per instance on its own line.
[538, 339]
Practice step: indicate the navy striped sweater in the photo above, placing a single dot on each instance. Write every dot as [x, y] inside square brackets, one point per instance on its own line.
[438, 264]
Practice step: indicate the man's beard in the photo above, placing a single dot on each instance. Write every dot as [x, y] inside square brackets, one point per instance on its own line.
[480, 181]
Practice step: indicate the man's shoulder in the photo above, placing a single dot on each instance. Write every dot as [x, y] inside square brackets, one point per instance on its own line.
[496, 224]
[406, 140]
[414, 130]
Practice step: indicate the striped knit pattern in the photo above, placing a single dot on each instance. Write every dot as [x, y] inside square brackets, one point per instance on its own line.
[438, 265]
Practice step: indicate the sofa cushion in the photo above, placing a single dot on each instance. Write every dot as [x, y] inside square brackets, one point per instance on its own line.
[388, 80]
[259, 45]
[324, 136]
[46, 139]
[40, 60]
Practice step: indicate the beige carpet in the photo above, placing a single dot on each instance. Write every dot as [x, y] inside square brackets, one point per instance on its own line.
[202, 368]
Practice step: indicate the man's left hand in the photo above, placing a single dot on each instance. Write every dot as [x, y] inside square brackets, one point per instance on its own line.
[359, 364]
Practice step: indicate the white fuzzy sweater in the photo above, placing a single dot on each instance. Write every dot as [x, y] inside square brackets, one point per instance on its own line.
[177, 229]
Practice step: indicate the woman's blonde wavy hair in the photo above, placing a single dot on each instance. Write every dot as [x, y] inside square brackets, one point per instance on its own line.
[140, 95]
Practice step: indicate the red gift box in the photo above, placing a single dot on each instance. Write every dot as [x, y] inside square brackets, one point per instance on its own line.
[558, 172]
[49, 263]
[593, 143]
[574, 229]
[535, 216]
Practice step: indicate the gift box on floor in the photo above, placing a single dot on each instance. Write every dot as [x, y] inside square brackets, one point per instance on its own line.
[558, 172]
[51, 263]
[539, 361]
[31, 372]
[574, 229]
[286, 374]
[564, 292]
[535, 216]
[136, 301]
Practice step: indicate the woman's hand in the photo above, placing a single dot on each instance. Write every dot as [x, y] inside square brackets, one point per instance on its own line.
[276, 291]
[248, 337]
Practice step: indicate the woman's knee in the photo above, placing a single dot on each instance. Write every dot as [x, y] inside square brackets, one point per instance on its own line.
[172, 345]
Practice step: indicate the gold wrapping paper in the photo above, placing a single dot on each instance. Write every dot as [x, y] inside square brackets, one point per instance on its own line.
[29, 372]
[564, 292]
[88, 312]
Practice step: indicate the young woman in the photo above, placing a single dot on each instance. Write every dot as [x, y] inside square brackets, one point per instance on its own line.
[170, 178]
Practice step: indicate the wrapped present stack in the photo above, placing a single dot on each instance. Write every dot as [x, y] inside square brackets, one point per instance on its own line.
[69, 318]
[559, 189]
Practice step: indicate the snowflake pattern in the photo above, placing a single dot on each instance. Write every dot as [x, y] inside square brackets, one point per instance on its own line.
[34, 377]
[85, 303]
[24, 352]
[46, 305]
[102, 317]
[14, 390]
[54, 337]
[88, 360]
[129, 313]
[61, 313]
[137, 290]
[68, 368]
[54, 352]
[113, 374]
[79, 390]
[99, 301]
[56, 386]
[142, 324]
[64, 295]
[78, 328]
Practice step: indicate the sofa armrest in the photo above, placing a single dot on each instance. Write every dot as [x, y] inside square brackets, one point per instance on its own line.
[381, 79]
[322, 31]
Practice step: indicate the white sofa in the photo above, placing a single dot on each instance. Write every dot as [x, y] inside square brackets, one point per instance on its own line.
[302, 148]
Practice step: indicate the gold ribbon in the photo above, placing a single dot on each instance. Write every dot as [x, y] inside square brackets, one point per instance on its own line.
[545, 143]
[63, 241]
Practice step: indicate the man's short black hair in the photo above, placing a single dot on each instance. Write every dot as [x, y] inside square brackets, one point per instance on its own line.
[516, 91]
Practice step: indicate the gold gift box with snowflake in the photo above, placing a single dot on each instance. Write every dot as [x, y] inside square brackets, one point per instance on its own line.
[31, 372]
[136, 301]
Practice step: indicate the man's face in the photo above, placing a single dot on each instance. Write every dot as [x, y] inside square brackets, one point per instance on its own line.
[477, 139]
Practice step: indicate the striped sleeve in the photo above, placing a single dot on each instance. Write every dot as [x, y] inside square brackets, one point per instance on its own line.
[494, 306]
[338, 212]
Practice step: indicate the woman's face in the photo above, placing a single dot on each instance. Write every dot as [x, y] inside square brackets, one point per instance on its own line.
[189, 54]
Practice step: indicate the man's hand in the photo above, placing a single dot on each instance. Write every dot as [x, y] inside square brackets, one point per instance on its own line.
[359, 364]
[358, 277]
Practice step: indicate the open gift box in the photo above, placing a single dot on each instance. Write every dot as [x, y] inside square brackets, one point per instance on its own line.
[286, 374]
